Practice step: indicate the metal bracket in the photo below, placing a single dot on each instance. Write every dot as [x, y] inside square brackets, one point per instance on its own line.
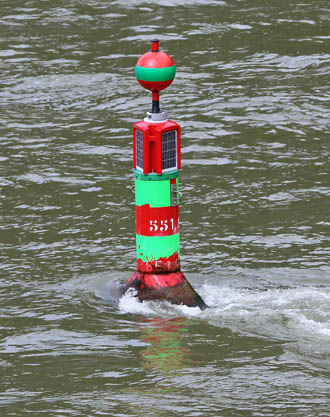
[174, 195]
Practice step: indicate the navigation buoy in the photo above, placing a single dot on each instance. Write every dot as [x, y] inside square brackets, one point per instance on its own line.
[156, 164]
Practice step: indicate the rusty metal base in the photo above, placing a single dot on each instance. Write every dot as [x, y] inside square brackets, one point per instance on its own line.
[173, 287]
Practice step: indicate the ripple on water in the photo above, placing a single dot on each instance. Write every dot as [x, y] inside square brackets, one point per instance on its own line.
[251, 94]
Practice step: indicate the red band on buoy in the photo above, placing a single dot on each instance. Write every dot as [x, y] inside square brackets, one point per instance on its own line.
[161, 265]
[157, 221]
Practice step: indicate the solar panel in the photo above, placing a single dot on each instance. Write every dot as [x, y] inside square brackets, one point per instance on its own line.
[169, 151]
[139, 149]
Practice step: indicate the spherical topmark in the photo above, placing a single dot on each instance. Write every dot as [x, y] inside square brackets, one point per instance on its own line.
[155, 70]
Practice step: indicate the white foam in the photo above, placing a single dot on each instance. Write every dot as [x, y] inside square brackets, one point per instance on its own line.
[289, 314]
[129, 303]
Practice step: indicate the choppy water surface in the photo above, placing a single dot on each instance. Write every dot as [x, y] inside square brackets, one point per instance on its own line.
[252, 96]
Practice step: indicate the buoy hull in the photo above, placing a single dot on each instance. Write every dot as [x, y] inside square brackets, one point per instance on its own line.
[172, 287]
[156, 163]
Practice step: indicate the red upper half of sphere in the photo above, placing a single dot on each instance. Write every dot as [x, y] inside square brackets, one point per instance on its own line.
[155, 60]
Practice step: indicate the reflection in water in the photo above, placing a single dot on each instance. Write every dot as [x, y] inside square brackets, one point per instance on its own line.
[165, 348]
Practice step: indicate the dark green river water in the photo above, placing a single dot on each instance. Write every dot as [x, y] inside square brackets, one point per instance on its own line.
[252, 97]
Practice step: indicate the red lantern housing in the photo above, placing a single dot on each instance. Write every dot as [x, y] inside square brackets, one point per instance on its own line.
[156, 147]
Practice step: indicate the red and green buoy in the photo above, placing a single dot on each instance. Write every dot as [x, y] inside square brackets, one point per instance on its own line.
[156, 163]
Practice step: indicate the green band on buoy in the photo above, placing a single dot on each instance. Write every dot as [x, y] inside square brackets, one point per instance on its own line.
[155, 74]
[154, 193]
[150, 248]
[155, 177]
